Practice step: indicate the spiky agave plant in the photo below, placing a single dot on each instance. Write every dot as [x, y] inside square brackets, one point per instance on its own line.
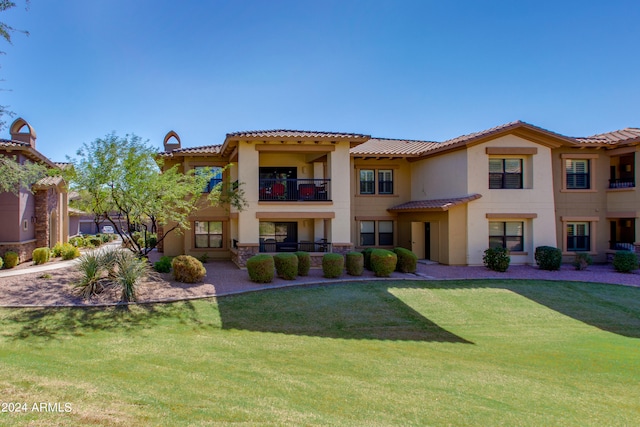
[90, 265]
[129, 272]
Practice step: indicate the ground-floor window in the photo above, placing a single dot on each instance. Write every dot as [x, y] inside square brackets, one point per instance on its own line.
[208, 234]
[369, 230]
[278, 236]
[578, 236]
[507, 234]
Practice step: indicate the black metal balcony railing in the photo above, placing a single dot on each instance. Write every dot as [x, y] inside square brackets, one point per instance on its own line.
[622, 183]
[317, 246]
[294, 189]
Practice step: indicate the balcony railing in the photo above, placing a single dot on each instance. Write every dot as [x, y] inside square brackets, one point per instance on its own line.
[318, 246]
[621, 183]
[272, 189]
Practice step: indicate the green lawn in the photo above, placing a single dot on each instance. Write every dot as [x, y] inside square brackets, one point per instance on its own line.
[387, 353]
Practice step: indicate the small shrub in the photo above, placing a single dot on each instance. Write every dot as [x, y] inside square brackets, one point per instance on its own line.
[94, 241]
[286, 265]
[496, 259]
[163, 265]
[203, 258]
[383, 262]
[10, 259]
[261, 268]
[582, 261]
[69, 252]
[332, 265]
[41, 255]
[45, 276]
[355, 263]
[77, 241]
[623, 261]
[1, 262]
[548, 258]
[187, 269]
[105, 238]
[304, 263]
[407, 260]
[56, 251]
[367, 258]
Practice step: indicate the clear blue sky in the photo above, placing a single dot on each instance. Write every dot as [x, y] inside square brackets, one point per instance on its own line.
[402, 69]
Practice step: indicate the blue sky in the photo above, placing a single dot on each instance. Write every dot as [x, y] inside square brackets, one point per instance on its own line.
[425, 69]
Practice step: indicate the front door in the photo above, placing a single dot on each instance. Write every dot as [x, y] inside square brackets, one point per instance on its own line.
[418, 235]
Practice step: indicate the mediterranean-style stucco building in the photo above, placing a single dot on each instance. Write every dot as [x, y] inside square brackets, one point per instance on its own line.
[516, 185]
[36, 218]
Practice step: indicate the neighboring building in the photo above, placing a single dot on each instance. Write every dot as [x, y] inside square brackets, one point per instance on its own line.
[516, 185]
[31, 219]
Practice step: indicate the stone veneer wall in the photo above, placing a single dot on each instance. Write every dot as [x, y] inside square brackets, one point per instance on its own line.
[24, 249]
[46, 201]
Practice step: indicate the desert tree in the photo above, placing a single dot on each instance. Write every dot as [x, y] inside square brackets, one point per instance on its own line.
[121, 180]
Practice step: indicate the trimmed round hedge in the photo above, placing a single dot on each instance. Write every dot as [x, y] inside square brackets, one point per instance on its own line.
[261, 268]
[41, 255]
[304, 263]
[332, 265]
[383, 262]
[355, 263]
[407, 260]
[548, 258]
[10, 259]
[187, 269]
[367, 258]
[286, 265]
[625, 261]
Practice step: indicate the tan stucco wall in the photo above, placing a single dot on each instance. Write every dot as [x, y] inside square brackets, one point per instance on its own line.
[537, 197]
[440, 177]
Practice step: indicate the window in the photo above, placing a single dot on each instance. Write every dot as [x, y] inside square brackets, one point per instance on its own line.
[505, 173]
[385, 181]
[578, 236]
[577, 174]
[216, 176]
[367, 233]
[508, 235]
[208, 234]
[385, 233]
[278, 236]
[367, 181]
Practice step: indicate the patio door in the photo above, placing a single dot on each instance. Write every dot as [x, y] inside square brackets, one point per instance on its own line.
[278, 236]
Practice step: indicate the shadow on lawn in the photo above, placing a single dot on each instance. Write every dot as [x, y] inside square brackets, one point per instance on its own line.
[347, 312]
[53, 323]
[357, 311]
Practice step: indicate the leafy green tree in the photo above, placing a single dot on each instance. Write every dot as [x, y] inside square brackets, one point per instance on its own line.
[121, 179]
[16, 176]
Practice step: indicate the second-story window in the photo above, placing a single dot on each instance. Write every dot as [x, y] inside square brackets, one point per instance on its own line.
[577, 174]
[367, 181]
[385, 181]
[505, 173]
[215, 173]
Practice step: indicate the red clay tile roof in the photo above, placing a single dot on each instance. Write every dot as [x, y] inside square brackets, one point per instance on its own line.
[206, 149]
[288, 134]
[433, 204]
[384, 147]
[614, 137]
[11, 143]
[49, 181]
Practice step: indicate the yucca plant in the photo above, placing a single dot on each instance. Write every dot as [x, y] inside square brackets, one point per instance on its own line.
[129, 272]
[90, 266]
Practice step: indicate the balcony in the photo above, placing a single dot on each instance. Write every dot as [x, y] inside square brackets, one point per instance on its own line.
[622, 183]
[289, 190]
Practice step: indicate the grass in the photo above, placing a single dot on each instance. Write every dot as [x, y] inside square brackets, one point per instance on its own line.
[380, 353]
